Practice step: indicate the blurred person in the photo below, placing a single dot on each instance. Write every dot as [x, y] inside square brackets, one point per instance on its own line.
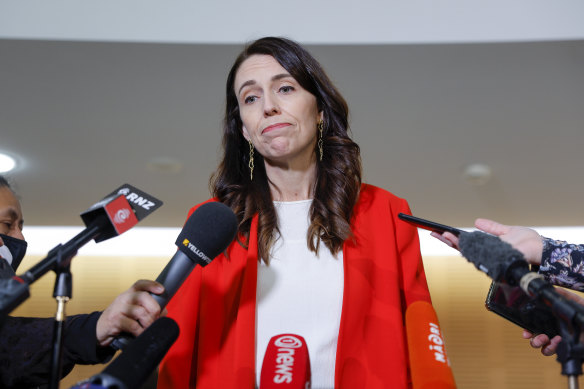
[26, 343]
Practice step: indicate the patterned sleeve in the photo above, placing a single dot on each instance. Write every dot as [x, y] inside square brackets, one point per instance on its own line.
[562, 263]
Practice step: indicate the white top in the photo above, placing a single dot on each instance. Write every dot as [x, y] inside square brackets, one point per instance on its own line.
[300, 293]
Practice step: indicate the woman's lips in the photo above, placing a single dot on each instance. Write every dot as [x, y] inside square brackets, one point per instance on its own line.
[275, 127]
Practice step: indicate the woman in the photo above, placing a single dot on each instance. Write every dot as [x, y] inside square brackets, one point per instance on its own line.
[318, 253]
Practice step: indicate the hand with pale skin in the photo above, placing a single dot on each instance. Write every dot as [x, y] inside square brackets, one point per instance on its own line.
[530, 244]
[130, 312]
[524, 239]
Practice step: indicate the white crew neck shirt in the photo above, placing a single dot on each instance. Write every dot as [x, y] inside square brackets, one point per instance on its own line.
[300, 293]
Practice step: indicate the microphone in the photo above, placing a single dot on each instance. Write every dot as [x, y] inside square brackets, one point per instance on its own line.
[115, 216]
[500, 261]
[135, 364]
[286, 363]
[205, 235]
[429, 365]
[109, 217]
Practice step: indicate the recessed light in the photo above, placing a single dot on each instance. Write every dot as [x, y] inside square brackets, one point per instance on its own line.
[7, 163]
[477, 173]
[166, 165]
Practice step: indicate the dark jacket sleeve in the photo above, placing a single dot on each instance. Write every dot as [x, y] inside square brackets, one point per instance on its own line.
[26, 345]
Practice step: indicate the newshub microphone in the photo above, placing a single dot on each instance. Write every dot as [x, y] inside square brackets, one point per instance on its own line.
[286, 363]
[135, 364]
[429, 365]
[111, 216]
[505, 264]
[205, 235]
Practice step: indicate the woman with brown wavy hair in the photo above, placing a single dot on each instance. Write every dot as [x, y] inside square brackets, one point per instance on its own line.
[318, 253]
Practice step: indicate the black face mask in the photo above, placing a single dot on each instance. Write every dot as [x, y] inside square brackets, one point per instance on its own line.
[17, 248]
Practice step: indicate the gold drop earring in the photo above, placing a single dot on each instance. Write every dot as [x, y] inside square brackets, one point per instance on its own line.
[250, 160]
[319, 127]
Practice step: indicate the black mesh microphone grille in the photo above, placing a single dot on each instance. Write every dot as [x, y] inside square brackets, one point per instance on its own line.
[207, 232]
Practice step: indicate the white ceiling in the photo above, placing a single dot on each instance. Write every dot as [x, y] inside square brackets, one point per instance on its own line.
[84, 116]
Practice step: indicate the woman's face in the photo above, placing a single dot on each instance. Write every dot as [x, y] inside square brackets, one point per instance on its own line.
[278, 115]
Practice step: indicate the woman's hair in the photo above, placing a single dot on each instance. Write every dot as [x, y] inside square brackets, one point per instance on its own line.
[338, 176]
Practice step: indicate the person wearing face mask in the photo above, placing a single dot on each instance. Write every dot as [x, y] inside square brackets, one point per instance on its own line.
[318, 253]
[26, 343]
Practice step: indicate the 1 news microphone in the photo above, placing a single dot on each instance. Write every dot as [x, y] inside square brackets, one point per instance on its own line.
[429, 365]
[205, 235]
[135, 364]
[286, 363]
[107, 218]
[500, 261]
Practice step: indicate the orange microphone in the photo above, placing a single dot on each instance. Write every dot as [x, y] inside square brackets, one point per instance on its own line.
[429, 365]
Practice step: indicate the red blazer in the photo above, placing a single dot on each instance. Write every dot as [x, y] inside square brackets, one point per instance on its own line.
[383, 274]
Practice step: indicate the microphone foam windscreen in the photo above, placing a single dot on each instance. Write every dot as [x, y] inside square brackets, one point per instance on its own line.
[488, 253]
[429, 365]
[140, 358]
[207, 232]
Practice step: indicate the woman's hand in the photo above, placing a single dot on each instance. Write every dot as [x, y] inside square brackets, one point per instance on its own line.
[448, 238]
[524, 239]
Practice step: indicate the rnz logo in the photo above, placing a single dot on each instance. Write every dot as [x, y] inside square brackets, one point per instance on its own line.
[136, 199]
[121, 216]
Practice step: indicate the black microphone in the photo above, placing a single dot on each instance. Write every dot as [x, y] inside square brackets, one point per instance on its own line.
[135, 364]
[500, 261]
[205, 235]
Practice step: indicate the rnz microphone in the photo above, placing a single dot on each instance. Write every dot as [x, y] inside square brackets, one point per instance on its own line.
[135, 364]
[109, 217]
[429, 365]
[286, 363]
[205, 235]
[119, 211]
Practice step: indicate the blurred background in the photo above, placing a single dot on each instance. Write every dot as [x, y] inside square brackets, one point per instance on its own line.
[465, 109]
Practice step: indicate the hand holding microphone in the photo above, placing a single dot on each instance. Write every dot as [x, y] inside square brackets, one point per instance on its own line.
[525, 240]
[131, 312]
[207, 233]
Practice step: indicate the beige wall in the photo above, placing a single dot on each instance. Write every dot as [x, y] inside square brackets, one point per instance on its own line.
[485, 350]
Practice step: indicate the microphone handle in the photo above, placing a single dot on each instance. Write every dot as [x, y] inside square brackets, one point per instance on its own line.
[172, 276]
[534, 285]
